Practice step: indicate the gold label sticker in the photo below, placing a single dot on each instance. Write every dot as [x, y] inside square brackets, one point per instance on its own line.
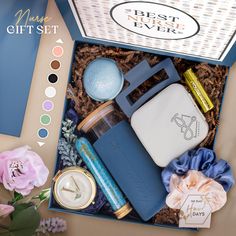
[195, 212]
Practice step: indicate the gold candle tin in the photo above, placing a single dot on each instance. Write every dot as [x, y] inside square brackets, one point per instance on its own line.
[74, 188]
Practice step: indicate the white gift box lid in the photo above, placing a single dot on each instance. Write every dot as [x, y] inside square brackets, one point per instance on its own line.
[195, 30]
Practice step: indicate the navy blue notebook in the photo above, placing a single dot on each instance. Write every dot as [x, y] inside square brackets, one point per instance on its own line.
[17, 60]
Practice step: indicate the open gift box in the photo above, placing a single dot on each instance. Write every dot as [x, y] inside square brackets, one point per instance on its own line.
[130, 32]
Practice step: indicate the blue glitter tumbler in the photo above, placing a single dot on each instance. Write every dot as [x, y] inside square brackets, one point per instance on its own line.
[113, 194]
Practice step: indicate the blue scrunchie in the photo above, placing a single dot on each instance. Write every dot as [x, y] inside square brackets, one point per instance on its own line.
[203, 160]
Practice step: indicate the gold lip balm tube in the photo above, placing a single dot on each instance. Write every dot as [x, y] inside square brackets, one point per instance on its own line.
[198, 91]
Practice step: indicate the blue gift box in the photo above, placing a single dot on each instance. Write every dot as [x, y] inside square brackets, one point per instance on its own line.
[187, 30]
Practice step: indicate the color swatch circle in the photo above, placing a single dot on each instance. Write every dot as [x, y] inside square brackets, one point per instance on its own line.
[47, 105]
[50, 92]
[45, 119]
[52, 78]
[43, 133]
[57, 51]
[55, 64]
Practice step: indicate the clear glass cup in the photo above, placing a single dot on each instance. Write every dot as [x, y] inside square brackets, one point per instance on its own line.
[100, 121]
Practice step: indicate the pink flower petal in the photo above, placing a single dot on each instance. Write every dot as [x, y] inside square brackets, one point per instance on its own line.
[21, 169]
[5, 210]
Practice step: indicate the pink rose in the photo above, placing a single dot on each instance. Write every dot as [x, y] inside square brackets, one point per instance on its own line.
[21, 169]
[5, 210]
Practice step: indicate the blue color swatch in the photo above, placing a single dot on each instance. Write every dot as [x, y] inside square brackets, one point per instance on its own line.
[43, 133]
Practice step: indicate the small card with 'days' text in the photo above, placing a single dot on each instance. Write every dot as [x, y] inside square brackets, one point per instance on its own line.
[195, 212]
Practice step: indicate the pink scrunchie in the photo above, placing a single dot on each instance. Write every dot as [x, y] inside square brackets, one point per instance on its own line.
[195, 183]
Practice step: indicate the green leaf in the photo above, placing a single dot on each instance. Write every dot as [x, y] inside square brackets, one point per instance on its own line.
[6, 233]
[17, 197]
[25, 222]
[19, 208]
[45, 194]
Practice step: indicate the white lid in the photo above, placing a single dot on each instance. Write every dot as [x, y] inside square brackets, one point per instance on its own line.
[202, 30]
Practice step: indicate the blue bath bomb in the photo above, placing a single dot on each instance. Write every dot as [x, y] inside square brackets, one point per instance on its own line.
[102, 79]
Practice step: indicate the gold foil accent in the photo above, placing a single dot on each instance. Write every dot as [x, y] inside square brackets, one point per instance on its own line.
[198, 90]
[123, 211]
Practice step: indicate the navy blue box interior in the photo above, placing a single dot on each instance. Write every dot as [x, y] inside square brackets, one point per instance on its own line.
[53, 204]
